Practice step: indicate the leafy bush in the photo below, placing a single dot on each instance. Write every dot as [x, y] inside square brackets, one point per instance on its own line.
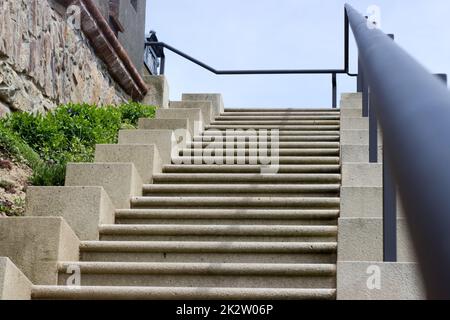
[68, 134]
[16, 147]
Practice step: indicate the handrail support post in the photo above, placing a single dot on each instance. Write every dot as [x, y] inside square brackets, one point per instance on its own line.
[334, 94]
[389, 213]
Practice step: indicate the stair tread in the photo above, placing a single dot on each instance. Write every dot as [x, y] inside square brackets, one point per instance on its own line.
[291, 177]
[279, 117]
[233, 188]
[199, 213]
[251, 168]
[241, 230]
[235, 201]
[318, 269]
[304, 145]
[133, 293]
[282, 109]
[282, 160]
[208, 246]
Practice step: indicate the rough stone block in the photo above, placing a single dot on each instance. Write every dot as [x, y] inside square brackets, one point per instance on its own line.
[36, 244]
[145, 157]
[205, 106]
[379, 281]
[362, 175]
[14, 285]
[158, 91]
[194, 117]
[361, 239]
[168, 142]
[215, 98]
[121, 181]
[84, 208]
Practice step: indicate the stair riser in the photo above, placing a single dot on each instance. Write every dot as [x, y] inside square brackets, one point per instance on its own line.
[263, 112]
[230, 203]
[215, 238]
[239, 190]
[305, 222]
[267, 133]
[161, 280]
[281, 138]
[287, 121]
[249, 169]
[280, 128]
[245, 160]
[324, 194]
[256, 152]
[262, 145]
[209, 257]
[278, 118]
[247, 178]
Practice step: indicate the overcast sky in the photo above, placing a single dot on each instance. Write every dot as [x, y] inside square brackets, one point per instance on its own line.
[288, 34]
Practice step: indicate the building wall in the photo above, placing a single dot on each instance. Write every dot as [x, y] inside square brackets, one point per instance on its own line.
[44, 62]
[133, 39]
[133, 21]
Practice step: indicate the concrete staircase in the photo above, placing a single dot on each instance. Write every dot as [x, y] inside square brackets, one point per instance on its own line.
[225, 231]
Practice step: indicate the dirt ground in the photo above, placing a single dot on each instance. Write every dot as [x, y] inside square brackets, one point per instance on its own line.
[13, 185]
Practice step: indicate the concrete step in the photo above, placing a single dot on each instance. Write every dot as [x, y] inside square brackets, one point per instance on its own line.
[281, 133]
[263, 117]
[198, 160]
[199, 216]
[326, 128]
[223, 189]
[209, 252]
[206, 178]
[233, 233]
[192, 275]
[257, 152]
[267, 144]
[282, 138]
[179, 293]
[249, 169]
[284, 122]
[236, 202]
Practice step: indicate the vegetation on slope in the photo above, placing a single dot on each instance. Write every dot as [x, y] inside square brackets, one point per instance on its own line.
[46, 143]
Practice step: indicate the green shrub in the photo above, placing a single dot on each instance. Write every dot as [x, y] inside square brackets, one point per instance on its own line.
[132, 112]
[68, 134]
[16, 147]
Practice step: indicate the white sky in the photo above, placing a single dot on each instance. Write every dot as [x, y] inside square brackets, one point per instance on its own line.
[285, 34]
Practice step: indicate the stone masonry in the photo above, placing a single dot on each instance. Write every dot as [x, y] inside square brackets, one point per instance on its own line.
[45, 62]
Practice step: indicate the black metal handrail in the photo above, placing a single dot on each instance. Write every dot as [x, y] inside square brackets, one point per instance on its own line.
[333, 72]
[413, 109]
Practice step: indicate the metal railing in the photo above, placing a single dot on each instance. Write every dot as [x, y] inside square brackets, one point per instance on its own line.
[413, 109]
[153, 46]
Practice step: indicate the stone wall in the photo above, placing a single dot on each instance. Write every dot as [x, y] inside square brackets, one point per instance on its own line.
[45, 62]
